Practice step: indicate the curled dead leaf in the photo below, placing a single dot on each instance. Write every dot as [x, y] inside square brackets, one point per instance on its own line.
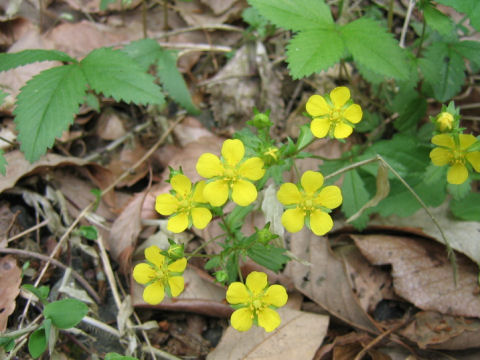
[10, 280]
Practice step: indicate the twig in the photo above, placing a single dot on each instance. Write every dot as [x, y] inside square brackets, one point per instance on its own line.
[55, 262]
[411, 5]
[469, 106]
[196, 28]
[100, 325]
[28, 231]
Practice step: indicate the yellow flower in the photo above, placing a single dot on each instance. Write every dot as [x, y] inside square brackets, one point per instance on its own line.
[309, 203]
[231, 174]
[255, 302]
[159, 276]
[334, 116]
[454, 154]
[187, 206]
[445, 121]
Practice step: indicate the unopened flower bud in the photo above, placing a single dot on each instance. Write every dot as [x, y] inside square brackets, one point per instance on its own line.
[261, 121]
[221, 276]
[445, 121]
[175, 251]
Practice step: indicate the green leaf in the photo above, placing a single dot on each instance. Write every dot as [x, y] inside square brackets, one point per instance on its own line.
[370, 121]
[8, 343]
[355, 195]
[173, 81]
[115, 356]
[3, 95]
[115, 74]
[65, 313]
[46, 107]
[467, 208]
[37, 342]
[40, 292]
[104, 4]
[92, 101]
[411, 106]
[293, 14]
[88, 232]
[271, 257]
[234, 220]
[144, 52]
[443, 69]
[438, 21]
[313, 51]
[372, 46]
[469, 7]
[13, 60]
[3, 164]
[305, 137]
[469, 49]
[459, 191]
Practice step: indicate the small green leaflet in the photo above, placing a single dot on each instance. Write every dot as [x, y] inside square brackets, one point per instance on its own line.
[469, 7]
[372, 46]
[3, 163]
[467, 208]
[468, 49]
[411, 106]
[13, 60]
[147, 52]
[294, 14]
[437, 20]
[46, 107]
[38, 340]
[65, 313]
[355, 195]
[314, 50]
[271, 257]
[115, 74]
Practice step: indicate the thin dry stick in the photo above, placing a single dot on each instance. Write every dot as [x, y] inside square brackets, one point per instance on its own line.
[87, 209]
[55, 262]
[28, 231]
[411, 5]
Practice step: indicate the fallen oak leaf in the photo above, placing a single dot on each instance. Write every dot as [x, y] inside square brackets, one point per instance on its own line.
[10, 280]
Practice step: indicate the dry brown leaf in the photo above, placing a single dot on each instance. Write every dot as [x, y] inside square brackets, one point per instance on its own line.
[8, 225]
[93, 6]
[298, 337]
[201, 295]
[10, 280]
[195, 14]
[18, 166]
[110, 125]
[423, 275]
[191, 130]
[325, 280]
[219, 6]
[124, 160]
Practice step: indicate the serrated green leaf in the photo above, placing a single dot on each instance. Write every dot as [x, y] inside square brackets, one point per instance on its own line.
[271, 257]
[3, 164]
[355, 195]
[305, 137]
[469, 49]
[37, 342]
[65, 313]
[313, 51]
[411, 107]
[372, 46]
[437, 20]
[459, 191]
[469, 7]
[115, 74]
[144, 52]
[295, 14]
[46, 107]
[443, 69]
[467, 208]
[13, 60]
[173, 81]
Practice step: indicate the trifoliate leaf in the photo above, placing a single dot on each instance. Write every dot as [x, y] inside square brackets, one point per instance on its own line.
[271, 257]
[313, 51]
[469, 7]
[13, 60]
[3, 163]
[65, 313]
[443, 69]
[46, 107]
[372, 46]
[115, 74]
[467, 208]
[355, 195]
[295, 14]
[469, 49]
[437, 20]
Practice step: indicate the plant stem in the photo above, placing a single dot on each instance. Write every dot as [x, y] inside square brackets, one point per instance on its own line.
[422, 37]
[390, 16]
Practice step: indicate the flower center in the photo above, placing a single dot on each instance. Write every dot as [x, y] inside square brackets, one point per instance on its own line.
[458, 156]
[307, 204]
[335, 115]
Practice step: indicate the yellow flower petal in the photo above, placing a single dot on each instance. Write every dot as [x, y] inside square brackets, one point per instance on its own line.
[289, 194]
[268, 319]
[440, 156]
[177, 284]
[237, 293]
[216, 192]
[311, 181]
[320, 127]
[152, 254]
[353, 113]
[330, 197]
[256, 282]
[457, 174]
[339, 96]
[143, 273]
[178, 266]
[275, 295]
[233, 151]
[317, 106]
[243, 192]
[293, 220]
[198, 192]
[181, 184]
[252, 169]
[445, 140]
[201, 217]
[320, 222]
[242, 319]
[154, 293]
[474, 159]
[342, 130]
[166, 204]
[178, 223]
[209, 165]
[466, 140]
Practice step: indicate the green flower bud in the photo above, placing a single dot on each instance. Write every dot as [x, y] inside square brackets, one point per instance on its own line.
[445, 121]
[264, 235]
[175, 251]
[261, 121]
[221, 276]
